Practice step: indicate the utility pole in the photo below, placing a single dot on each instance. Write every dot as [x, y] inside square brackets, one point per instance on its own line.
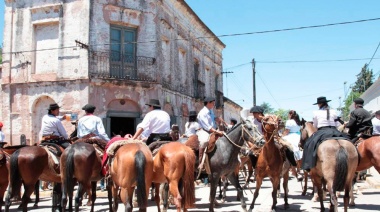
[254, 81]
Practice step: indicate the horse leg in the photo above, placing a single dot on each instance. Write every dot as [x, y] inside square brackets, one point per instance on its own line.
[128, 199]
[259, 181]
[152, 192]
[234, 179]
[317, 184]
[157, 196]
[93, 195]
[64, 197]
[213, 179]
[164, 199]
[220, 188]
[26, 196]
[57, 196]
[306, 175]
[37, 193]
[347, 193]
[250, 172]
[115, 196]
[109, 193]
[286, 189]
[173, 188]
[275, 184]
[79, 196]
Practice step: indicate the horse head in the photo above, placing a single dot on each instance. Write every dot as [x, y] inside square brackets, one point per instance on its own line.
[252, 134]
[271, 123]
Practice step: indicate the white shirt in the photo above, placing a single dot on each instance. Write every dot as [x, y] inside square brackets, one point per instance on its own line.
[51, 125]
[91, 124]
[157, 121]
[376, 126]
[191, 128]
[2, 136]
[292, 126]
[145, 133]
[320, 118]
[259, 125]
[205, 120]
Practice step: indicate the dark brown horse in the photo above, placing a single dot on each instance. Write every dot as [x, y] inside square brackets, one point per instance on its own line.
[174, 164]
[80, 163]
[337, 160]
[27, 166]
[270, 163]
[132, 166]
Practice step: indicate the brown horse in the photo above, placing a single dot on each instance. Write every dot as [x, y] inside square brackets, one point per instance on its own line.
[270, 163]
[174, 164]
[369, 151]
[337, 160]
[132, 166]
[80, 162]
[27, 166]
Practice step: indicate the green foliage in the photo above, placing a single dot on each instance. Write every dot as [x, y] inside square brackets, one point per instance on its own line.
[346, 109]
[282, 113]
[267, 108]
[364, 80]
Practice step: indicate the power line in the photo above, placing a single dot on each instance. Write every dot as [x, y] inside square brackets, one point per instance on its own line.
[268, 90]
[373, 54]
[219, 36]
[317, 61]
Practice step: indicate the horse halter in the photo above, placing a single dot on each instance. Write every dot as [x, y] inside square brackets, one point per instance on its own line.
[274, 123]
[243, 130]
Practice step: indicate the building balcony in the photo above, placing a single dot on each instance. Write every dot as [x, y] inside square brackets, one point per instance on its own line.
[115, 65]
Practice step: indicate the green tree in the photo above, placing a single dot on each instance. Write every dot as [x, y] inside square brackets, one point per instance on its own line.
[364, 80]
[1, 55]
[267, 108]
[282, 113]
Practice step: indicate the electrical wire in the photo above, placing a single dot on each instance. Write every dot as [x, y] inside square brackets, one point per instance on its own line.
[373, 54]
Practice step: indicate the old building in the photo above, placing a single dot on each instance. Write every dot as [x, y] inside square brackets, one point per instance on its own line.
[114, 54]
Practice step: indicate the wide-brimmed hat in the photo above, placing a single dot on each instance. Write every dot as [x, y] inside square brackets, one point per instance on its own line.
[88, 107]
[154, 102]
[321, 100]
[359, 101]
[257, 109]
[193, 113]
[53, 106]
[208, 99]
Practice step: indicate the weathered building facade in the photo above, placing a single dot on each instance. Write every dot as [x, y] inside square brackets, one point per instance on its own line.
[114, 54]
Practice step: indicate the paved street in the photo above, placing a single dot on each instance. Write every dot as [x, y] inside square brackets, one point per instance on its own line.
[368, 201]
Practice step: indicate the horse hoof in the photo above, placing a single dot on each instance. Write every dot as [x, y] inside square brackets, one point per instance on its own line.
[88, 204]
[303, 193]
[221, 201]
[286, 206]
[35, 206]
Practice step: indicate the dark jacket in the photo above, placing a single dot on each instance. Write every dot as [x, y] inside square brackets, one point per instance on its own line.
[360, 120]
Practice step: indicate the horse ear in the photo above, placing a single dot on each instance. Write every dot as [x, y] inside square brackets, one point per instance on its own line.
[242, 120]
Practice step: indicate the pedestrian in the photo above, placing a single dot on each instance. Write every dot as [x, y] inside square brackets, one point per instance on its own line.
[360, 121]
[376, 123]
[91, 126]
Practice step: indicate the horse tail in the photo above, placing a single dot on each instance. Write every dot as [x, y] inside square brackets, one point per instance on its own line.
[69, 180]
[15, 180]
[188, 179]
[341, 169]
[140, 162]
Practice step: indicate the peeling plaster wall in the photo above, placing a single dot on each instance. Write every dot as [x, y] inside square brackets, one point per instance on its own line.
[231, 111]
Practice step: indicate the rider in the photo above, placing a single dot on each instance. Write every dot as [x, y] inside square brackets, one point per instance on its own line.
[360, 121]
[206, 119]
[52, 130]
[192, 126]
[324, 120]
[157, 121]
[376, 123]
[91, 126]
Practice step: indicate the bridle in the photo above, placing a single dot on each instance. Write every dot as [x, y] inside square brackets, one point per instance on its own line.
[274, 123]
[243, 130]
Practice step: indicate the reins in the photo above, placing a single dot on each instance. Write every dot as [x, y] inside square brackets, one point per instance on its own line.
[241, 138]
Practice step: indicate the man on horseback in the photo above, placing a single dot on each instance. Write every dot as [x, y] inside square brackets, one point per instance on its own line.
[360, 121]
[91, 126]
[324, 120]
[376, 123]
[158, 123]
[52, 130]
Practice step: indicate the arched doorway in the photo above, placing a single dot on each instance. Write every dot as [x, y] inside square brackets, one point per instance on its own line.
[123, 115]
[38, 111]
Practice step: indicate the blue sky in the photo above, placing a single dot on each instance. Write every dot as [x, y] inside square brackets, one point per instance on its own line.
[290, 85]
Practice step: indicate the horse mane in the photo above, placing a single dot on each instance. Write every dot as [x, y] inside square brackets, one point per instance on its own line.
[99, 142]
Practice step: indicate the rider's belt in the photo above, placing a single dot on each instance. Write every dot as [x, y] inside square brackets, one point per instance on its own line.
[160, 134]
[89, 136]
[326, 127]
[50, 137]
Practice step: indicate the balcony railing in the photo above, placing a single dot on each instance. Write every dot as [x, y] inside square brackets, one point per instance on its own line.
[114, 65]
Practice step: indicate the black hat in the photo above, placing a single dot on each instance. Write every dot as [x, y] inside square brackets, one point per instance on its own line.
[154, 102]
[233, 119]
[321, 100]
[193, 113]
[89, 107]
[208, 99]
[359, 101]
[377, 112]
[53, 106]
[257, 109]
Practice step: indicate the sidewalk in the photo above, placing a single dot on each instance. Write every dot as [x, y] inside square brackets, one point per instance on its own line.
[373, 178]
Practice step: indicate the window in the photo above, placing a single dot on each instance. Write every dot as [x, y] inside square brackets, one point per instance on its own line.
[46, 36]
[123, 52]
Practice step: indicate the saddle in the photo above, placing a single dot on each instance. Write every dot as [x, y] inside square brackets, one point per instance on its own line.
[156, 146]
[2, 144]
[52, 147]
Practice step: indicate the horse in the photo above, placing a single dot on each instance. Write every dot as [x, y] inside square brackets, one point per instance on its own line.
[271, 163]
[174, 164]
[131, 166]
[28, 165]
[369, 151]
[81, 162]
[223, 159]
[337, 160]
